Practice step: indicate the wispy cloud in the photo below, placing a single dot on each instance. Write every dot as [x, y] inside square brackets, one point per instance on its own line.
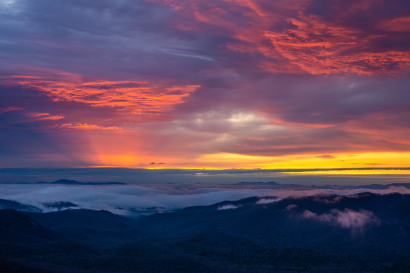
[44, 116]
[348, 219]
[86, 126]
[227, 207]
[267, 200]
[8, 109]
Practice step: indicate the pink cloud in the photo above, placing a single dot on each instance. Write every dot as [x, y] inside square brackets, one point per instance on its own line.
[8, 109]
[44, 116]
[86, 126]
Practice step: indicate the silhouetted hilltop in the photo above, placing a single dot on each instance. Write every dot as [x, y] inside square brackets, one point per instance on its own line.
[257, 183]
[276, 185]
[9, 204]
[70, 182]
[59, 205]
[16, 220]
[73, 182]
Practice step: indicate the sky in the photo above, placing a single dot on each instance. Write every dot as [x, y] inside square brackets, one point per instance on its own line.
[212, 85]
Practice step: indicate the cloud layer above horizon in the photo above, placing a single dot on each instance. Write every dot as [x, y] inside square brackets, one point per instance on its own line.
[214, 84]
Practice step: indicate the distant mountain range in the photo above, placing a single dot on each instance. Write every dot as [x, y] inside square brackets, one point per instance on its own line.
[276, 185]
[321, 233]
[271, 184]
[73, 182]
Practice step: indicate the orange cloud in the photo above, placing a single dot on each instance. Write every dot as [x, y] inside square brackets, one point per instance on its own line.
[86, 126]
[129, 97]
[44, 116]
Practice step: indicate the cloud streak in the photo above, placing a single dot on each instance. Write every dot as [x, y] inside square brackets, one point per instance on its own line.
[227, 207]
[267, 201]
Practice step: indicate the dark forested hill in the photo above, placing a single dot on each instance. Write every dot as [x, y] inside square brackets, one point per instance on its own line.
[322, 233]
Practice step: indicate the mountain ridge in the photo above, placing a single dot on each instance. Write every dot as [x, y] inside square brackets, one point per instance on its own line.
[69, 182]
[270, 184]
[364, 232]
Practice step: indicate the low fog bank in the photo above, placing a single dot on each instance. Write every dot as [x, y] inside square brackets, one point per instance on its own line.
[148, 199]
[348, 219]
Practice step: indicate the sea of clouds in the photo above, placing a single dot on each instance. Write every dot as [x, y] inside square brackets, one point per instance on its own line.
[121, 199]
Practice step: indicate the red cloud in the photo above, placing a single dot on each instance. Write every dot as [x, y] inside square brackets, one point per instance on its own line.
[86, 126]
[128, 97]
[44, 116]
[296, 41]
